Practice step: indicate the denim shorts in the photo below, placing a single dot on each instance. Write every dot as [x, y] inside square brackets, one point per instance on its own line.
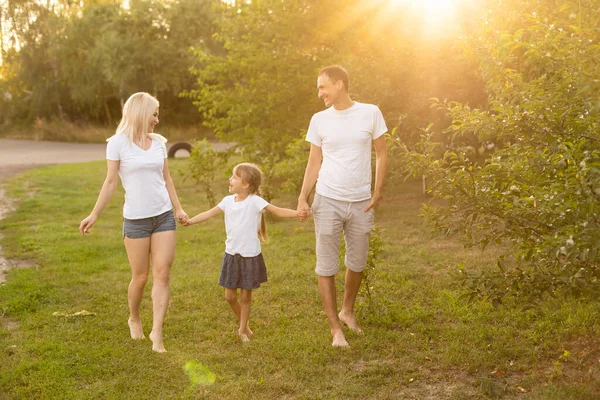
[145, 227]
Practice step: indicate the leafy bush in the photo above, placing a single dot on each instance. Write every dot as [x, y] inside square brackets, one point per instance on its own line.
[525, 169]
[204, 164]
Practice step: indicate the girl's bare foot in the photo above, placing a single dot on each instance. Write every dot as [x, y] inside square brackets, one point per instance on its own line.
[248, 331]
[135, 329]
[350, 321]
[157, 343]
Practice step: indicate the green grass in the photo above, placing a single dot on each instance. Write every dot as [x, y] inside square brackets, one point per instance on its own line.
[421, 342]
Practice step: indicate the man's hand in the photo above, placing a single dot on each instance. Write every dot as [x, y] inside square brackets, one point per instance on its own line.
[374, 200]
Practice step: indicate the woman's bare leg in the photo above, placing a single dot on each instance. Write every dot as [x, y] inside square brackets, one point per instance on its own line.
[162, 248]
[138, 254]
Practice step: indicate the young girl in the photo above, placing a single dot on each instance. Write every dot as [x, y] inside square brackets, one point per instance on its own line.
[243, 266]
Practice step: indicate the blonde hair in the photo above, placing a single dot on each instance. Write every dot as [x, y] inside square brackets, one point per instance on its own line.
[137, 112]
[252, 175]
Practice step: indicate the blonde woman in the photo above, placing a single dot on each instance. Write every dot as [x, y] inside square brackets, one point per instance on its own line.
[139, 157]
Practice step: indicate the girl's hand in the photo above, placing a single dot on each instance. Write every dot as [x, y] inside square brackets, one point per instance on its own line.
[86, 225]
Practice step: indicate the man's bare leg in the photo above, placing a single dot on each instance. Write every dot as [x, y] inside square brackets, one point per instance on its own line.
[351, 286]
[327, 292]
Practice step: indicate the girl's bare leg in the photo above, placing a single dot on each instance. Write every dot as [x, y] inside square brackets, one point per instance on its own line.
[162, 248]
[246, 301]
[138, 254]
[231, 297]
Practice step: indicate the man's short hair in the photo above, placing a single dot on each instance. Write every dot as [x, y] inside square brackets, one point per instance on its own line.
[336, 73]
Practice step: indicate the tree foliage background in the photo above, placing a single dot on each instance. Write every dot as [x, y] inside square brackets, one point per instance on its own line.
[509, 141]
[79, 61]
[524, 169]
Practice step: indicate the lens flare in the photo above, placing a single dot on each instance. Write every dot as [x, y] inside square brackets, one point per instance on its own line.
[199, 374]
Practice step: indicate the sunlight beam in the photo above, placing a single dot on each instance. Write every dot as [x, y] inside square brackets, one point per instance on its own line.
[436, 16]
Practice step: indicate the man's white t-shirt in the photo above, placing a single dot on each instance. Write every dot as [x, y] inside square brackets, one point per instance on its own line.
[346, 138]
[141, 173]
[242, 223]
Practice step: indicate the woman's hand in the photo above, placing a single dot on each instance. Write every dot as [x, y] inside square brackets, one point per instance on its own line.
[86, 225]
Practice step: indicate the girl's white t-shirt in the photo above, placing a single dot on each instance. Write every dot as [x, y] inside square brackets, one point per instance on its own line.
[141, 173]
[242, 223]
[346, 138]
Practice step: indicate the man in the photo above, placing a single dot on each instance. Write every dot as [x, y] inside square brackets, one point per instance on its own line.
[341, 138]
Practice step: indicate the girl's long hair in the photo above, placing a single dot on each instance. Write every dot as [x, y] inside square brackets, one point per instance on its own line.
[137, 112]
[252, 175]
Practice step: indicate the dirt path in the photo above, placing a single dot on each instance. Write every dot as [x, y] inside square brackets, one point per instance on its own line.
[17, 156]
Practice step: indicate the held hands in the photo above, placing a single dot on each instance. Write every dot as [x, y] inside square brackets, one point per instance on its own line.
[303, 210]
[302, 216]
[182, 217]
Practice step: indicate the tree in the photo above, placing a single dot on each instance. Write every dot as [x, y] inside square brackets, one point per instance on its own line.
[525, 169]
[81, 60]
[261, 92]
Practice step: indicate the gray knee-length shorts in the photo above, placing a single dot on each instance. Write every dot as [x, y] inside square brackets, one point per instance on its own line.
[332, 217]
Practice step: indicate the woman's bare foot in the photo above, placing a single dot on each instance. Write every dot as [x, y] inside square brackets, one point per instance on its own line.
[339, 340]
[248, 331]
[244, 337]
[350, 321]
[157, 343]
[135, 329]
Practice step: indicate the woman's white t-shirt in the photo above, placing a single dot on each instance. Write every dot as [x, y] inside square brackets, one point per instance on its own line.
[346, 138]
[141, 173]
[242, 223]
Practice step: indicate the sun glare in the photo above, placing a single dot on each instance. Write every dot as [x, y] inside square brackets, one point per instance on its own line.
[439, 5]
[437, 15]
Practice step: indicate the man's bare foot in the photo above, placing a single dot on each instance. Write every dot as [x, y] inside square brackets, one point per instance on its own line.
[350, 321]
[157, 343]
[339, 340]
[135, 329]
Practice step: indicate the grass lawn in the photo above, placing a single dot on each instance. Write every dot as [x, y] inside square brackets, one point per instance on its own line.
[421, 340]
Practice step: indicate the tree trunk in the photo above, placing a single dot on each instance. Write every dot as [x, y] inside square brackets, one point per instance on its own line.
[107, 112]
[2, 53]
[121, 84]
[56, 85]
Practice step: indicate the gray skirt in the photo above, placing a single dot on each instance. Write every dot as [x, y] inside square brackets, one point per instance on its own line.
[239, 272]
